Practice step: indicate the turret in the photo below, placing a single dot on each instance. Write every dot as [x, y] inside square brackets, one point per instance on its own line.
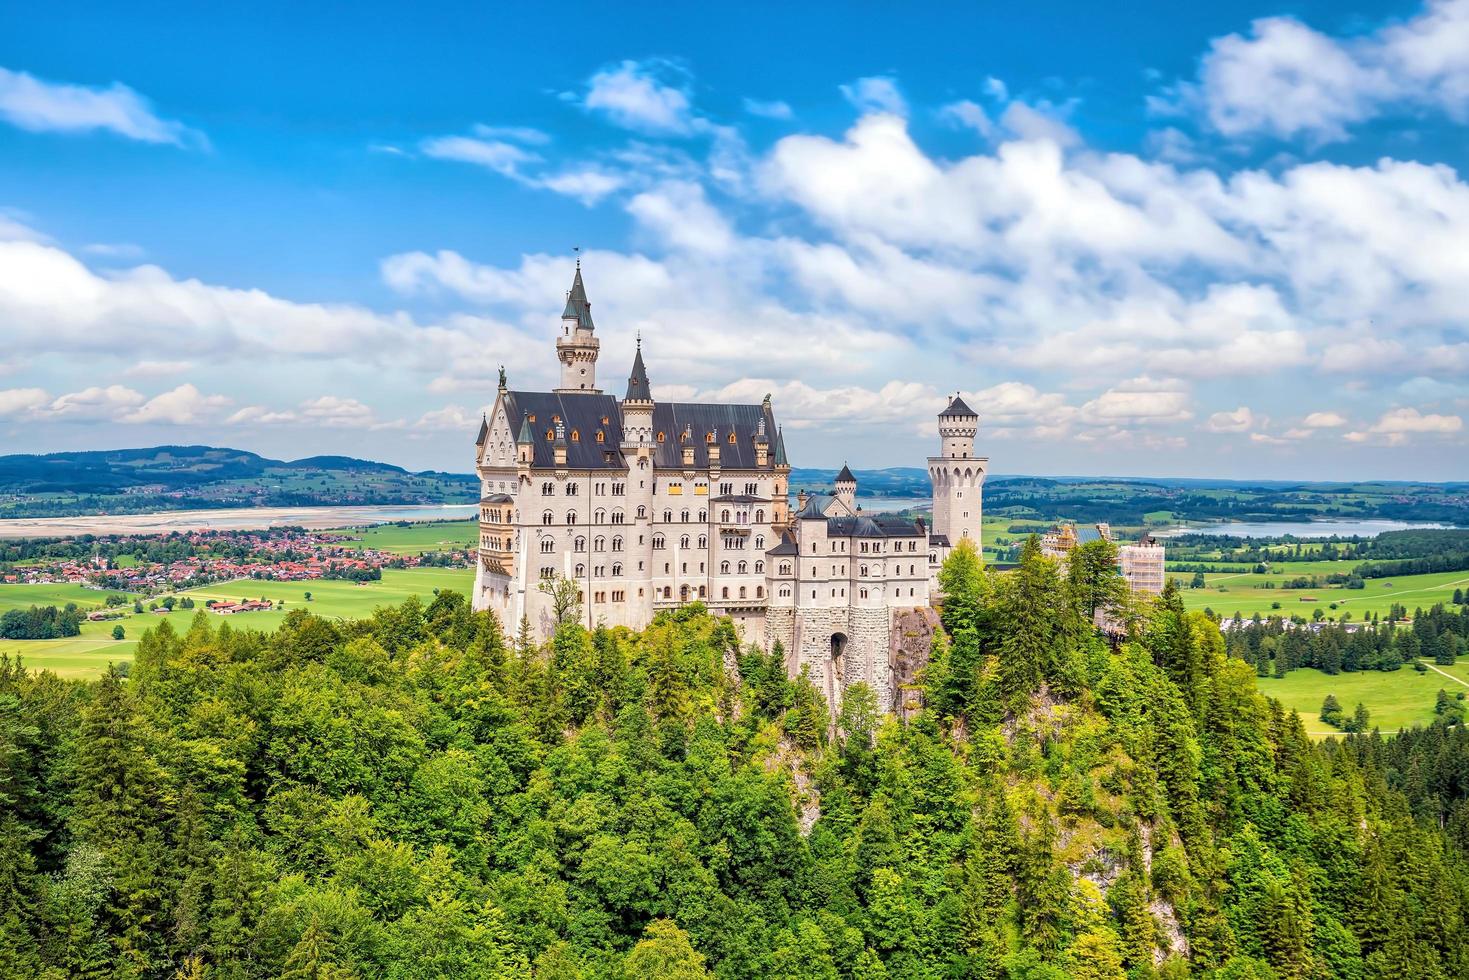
[578, 345]
[957, 475]
[637, 407]
[525, 443]
[847, 488]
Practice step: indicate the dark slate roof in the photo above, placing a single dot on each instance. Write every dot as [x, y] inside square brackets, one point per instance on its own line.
[497, 498]
[874, 526]
[637, 382]
[739, 498]
[577, 305]
[672, 418]
[780, 448]
[942, 540]
[845, 476]
[957, 407]
[815, 507]
[484, 431]
[582, 415]
[787, 546]
[527, 436]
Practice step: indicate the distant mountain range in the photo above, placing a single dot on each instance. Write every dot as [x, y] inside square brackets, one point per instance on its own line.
[186, 477]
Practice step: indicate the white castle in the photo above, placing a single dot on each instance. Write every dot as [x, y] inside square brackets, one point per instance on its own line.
[647, 505]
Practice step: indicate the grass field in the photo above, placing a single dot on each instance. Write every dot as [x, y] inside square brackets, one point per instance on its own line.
[413, 539]
[91, 652]
[1395, 699]
[1245, 592]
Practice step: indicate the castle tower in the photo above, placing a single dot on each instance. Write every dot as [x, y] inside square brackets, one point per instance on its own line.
[780, 490]
[957, 475]
[847, 488]
[577, 346]
[637, 406]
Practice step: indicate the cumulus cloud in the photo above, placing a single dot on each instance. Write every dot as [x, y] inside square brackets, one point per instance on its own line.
[183, 405]
[1324, 420]
[157, 369]
[1239, 420]
[1285, 79]
[21, 401]
[1140, 401]
[43, 106]
[878, 93]
[645, 96]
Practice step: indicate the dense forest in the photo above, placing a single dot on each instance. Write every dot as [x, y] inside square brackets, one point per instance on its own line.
[410, 796]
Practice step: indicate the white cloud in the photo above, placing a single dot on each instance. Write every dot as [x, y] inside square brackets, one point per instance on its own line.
[335, 412]
[1397, 425]
[183, 405]
[21, 401]
[1324, 420]
[1285, 79]
[42, 106]
[774, 109]
[157, 369]
[260, 415]
[1239, 420]
[497, 155]
[1141, 401]
[968, 115]
[94, 404]
[680, 215]
[878, 93]
[640, 96]
[449, 418]
[114, 250]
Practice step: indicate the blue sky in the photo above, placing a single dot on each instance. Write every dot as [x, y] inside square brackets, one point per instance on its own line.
[1227, 241]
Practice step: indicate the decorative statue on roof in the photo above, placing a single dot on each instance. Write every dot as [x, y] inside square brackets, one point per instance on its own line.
[502, 377]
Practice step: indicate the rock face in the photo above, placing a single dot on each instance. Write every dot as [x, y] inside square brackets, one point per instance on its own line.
[909, 643]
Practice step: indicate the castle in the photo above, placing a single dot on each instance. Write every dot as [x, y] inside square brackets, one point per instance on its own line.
[647, 505]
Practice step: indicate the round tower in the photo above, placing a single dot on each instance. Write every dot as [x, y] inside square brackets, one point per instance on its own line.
[957, 475]
[846, 486]
[578, 345]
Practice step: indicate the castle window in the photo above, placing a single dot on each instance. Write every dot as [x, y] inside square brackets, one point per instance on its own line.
[933, 558]
[724, 592]
[759, 541]
[599, 543]
[759, 568]
[579, 545]
[642, 512]
[785, 568]
[604, 420]
[863, 593]
[708, 437]
[617, 517]
[619, 489]
[660, 439]
[668, 517]
[760, 517]
[581, 571]
[731, 438]
[599, 517]
[760, 592]
[742, 592]
[601, 436]
[683, 542]
[724, 568]
[684, 516]
[547, 517]
[726, 488]
[550, 435]
[548, 489]
[864, 570]
[703, 541]
[703, 517]
[701, 592]
[616, 569]
[667, 592]
[724, 516]
[570, 517]
[657, 542]
[532, 418]
[617, 543]
[576, 435]
[743, 567]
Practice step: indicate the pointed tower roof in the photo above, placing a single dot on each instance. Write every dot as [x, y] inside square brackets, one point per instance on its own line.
[484, 430]
[780, 448]
[578, 307]
[637, 382]
[526, 437]
[957, 407]
[845, 476]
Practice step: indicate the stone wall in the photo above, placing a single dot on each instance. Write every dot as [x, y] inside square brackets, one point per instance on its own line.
[908, 650]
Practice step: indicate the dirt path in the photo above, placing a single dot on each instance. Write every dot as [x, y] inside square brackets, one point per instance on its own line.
[1394, 595]
[1444, 672]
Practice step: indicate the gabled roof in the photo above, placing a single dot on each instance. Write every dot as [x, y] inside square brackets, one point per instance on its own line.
[872, 526]
[497, 498]
[637, 382]
[577, 306]
[582, 416]
[845, 476]
[787, 545]
[957, 407]
[815, 508]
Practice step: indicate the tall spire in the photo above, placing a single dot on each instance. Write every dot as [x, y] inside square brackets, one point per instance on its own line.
[578, 307]
[526, 437]
[637, 382]
[484, 430]
[780, 448]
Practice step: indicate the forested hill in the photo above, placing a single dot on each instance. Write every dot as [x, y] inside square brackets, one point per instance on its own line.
[172, 477]
[408, 796]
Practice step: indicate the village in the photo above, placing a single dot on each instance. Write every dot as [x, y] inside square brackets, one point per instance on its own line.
[151, 564]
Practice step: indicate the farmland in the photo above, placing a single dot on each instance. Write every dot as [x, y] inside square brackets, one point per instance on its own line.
[1396, 699]
[89, 653]
[1248, 592]
[412, 539]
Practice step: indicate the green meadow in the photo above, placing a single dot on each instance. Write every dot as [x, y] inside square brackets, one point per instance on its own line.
[91, 652]
[1249, 593]
[412, 539]
[1395, 699]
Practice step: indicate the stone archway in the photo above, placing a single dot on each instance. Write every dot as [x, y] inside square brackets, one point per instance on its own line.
[836, 671]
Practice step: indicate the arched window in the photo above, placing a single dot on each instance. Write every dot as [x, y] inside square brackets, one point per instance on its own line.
[547, 517]
[581, 571]
[864, 569]
[731, 438]
[601, 437]
[548, 546]
[683, 593]
[571, 489]
[660, 439]
[599, 516]
[724, 568]
[667, 591]
[703, 517]
[742, 592]
[724, 516]
[570, 518]
[599, 543]
[617, 517]
[864, 593]
[760, 592]
[759, 568]
[743, 567]
[785, 568]
[579, 545]
[701, 592]
[760, 541]
[658, 542]
[668, 517]
[703, 541]
[683, 516]
[724, 592]
[683, 542]
[759, 516]
[642, 512]
[548, 489]
[617, 569]
[617, 542]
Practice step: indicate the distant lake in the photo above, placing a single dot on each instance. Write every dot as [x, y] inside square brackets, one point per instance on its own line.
[1299, 529]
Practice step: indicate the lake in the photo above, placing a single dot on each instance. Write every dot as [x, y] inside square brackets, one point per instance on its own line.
[1299, 529]
[230, 519]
